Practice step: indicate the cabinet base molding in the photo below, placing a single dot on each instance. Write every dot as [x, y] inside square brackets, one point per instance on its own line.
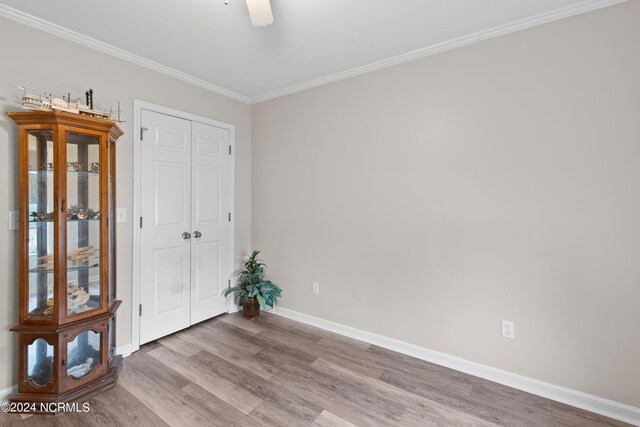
[79, 395]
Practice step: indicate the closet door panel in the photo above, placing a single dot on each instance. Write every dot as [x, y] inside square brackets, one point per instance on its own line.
[165, 254]
[211, 263]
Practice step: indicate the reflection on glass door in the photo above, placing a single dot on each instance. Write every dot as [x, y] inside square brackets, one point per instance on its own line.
[83, 223]
[83, 354]
[41, 214]
[40, 362]
[112, 220]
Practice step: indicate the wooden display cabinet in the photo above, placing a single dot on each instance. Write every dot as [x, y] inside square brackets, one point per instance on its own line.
[67, 297]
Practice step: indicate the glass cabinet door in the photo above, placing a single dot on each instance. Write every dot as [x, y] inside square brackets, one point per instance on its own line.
[83, 223]
[40, 362]
[83, 354]
[111, 331]
[41, 261]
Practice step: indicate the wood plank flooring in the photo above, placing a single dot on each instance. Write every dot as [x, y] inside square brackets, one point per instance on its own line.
[273, 371]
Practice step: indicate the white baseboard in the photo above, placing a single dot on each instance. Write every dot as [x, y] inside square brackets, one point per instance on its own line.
[599, 405]
[124, 350]
[7, 393]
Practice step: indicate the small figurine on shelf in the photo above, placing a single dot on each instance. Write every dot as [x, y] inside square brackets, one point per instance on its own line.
[76, 354]
[41, 216]
[80, 371]
[75, 211]
[95, 167]
[80, 213]
[74, 167]
[77, 298]
[85, 255]
[46, 261]
[49, 310]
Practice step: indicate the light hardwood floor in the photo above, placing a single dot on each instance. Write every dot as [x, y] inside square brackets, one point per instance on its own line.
[272, 371]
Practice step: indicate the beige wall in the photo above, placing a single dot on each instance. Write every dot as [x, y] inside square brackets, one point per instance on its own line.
[430, 200]
[43, 62]
[497, 181]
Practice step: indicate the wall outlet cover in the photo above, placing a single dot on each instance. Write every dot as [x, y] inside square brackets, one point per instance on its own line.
[507, 329]
[315, 288]
[121, 215]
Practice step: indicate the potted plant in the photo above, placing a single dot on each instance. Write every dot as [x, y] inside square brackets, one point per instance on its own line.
[253, 291]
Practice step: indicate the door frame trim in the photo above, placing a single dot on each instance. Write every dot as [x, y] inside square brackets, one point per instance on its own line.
[138, 106]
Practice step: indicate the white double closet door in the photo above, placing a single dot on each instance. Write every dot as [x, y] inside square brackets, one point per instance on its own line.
[186, 235]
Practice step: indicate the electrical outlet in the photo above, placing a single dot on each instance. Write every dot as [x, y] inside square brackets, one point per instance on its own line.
[507, 329]
[315, 288]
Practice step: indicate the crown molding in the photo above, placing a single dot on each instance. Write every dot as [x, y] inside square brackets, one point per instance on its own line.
[57, 30]
[545, 18]
[578, 399]
[49, 27]
[555, 15]
[385, 63]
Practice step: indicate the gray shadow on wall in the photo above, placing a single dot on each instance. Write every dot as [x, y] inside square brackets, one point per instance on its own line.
[11, 244]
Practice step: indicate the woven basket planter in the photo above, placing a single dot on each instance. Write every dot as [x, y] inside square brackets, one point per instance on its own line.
[251, 308]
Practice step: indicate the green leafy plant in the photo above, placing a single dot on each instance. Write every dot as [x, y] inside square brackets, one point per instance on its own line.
[252, 284]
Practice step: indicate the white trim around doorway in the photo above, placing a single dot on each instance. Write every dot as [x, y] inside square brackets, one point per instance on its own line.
[138, 106]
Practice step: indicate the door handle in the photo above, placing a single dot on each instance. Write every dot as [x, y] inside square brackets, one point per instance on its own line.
[197, 234]
[186, 236]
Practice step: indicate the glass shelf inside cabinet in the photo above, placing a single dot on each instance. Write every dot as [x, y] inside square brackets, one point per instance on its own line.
[69, 268]
[83, 223]
[69, 172]
[41, 248]
[33, 224]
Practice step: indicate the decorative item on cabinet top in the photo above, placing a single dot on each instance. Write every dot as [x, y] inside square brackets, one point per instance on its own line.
[45, 102]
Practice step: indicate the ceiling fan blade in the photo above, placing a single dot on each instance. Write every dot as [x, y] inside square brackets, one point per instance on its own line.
[260, 12]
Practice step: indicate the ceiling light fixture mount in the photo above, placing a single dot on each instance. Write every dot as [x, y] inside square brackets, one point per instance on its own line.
[259, 11]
